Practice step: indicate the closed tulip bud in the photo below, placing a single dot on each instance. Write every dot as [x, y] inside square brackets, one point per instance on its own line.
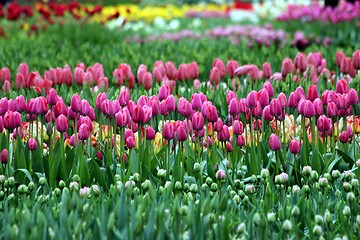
[52, 97]
[220, 175]
[240, 141]
[234, 107]
[339, 57]
[356, 59]
[4, 156]
[228, 147]
[301, 62]
[6, 86]
[182, 134]
[150, 133]
[275, 107]
[138, 115]
[344, 137]
[352, 97]
[309, 109]
[61, 123]
[286, 67]
[238, 127]
[266, 114]
[211, 114]
[32, 144]
[274, 142]
[164, 92]
[282, 99]
[197, 121]
[20, 103]
[332, 110]
[224, 134]
[170, 71]
[75, 103]
[130, 142]
[318, 107]
[268, 86]
[263, 97]
[215, 76]
[148, 81]
[168, 131]
[84, 132]
[324, 123]
[170, 103]
[312, 93]
[251, 99]
[267, 71]
[345, 66]
[295, 146]
[342, 86]
[230, 68]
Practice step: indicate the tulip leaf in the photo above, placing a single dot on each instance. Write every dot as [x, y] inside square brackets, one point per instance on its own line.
[96, 173]
[21, 174]
[345, 157]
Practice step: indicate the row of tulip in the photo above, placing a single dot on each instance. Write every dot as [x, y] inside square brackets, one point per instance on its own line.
[177, 119]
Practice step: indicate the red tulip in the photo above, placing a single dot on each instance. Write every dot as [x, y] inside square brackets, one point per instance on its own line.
[60, 108]
[274, 142]
[324, 123]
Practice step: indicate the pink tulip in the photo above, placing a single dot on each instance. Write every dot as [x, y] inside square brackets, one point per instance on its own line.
[168, 131]
[138, 115]
[345, 65]
[301, 62]
[240, 140]
[274, 142]
[148, 81]
[130, 142]
[4, 156]
[230, 68]
[287, 67]
[32, 144]
[197, 121]
[124, 97]
[84, 132]
[342, 86]
[170, 71]
[224, 134]
[20, 103]
[164, 92]
[238, 127]
[356, 59]
[150, 133]
[339, 57]
[215, 76]
[60, 108]
[182, 134]
[275, 107]
[294, 146]
[61, 123]
[234, 107]
[251, 99]
[352, 97]
[331, 110]
[324, 123]
[267, 114]
[267, 71]
[268, 86]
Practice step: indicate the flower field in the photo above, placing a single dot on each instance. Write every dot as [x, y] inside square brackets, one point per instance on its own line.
[186, 126]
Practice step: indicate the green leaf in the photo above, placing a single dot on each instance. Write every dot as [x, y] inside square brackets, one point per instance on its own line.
[96, 173]
[21, 174]
[346, 157]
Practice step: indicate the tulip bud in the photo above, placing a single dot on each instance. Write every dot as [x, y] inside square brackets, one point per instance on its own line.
[32, 144]
[251, 99]
[287, 67]
[61, 123]
[339, 57]
[274, 142]
[356, 59]
[295, 146]
[267, 71]
[4, 156]
[75, 103]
